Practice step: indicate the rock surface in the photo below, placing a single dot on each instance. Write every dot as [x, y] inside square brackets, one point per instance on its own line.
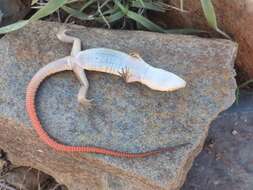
[226, 161]
[13, 10]
[126, 117]
[234, 17]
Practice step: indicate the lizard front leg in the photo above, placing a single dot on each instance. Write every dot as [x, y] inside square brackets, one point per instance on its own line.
[125, 73]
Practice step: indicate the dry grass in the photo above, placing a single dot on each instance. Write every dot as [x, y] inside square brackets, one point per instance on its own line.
[25, 178]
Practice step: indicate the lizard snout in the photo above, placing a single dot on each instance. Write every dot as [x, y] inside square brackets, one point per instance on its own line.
[161, 80]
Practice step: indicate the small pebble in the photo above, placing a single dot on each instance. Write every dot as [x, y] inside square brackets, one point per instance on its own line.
[217, 156]
[2, 155]
[2, 163]
[234, 132]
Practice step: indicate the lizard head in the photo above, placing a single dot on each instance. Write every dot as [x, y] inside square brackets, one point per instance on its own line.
[159, 79]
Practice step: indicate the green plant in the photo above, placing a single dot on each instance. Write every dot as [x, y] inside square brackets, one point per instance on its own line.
[210, 15]
[243, 85]
[111, 11]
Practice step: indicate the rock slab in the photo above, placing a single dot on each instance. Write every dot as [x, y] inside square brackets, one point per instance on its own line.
[226, 161]
[126, 117]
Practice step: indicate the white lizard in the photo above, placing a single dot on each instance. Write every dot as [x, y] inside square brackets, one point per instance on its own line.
[130, 66]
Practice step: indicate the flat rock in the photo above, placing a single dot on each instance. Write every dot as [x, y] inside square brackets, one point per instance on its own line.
[226, 161]
[126, 117]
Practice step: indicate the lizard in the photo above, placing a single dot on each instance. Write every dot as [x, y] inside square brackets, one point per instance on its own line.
[131, 67]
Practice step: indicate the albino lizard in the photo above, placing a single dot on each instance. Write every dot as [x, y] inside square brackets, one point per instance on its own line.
[131, 67]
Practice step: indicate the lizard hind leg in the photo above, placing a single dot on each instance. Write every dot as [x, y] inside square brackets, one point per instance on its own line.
[62, 36]
[81, 97]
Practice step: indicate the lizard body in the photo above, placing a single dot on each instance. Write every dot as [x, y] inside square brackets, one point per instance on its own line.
[115, 62]
[103, 60]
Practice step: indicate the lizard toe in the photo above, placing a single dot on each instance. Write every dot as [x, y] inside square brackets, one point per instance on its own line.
[84, 101]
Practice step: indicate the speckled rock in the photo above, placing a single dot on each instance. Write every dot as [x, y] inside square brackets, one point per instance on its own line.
[126, 117]
[226, 161]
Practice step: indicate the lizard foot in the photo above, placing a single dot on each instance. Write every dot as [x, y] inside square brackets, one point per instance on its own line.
[81, 97]
[85, 101]
[135, 55]
[125, 74]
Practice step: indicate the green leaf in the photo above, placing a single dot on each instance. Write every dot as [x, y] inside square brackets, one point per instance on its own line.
[237, 91]
[145, 22]
[49, 8]
[13, 27]
[141, 1]
[245, 83]
[87, 4]
[111, 11]
[139, 18]
[78, 14]
[148, 5]
[112, 18]
[223, 33]
[122, 8]
[210, 15]
[185, 31]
